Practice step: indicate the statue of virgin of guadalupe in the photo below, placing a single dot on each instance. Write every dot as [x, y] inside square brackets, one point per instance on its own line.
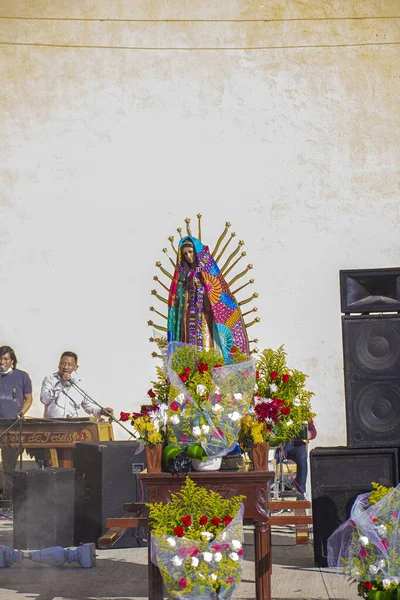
[202, 311]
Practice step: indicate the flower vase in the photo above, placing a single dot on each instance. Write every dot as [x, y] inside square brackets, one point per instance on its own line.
[259, 455]
[153, 457]
[212, 463]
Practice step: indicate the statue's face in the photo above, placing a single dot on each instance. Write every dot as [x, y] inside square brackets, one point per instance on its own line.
[188, 255]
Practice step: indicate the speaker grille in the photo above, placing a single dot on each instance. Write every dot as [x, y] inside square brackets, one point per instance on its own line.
[371, 351]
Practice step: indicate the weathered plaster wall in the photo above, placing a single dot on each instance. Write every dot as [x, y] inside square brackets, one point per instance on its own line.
[119, 119]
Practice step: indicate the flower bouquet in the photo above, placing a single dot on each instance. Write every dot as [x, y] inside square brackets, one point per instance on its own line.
[281, 405]
[367, 546]
[149, 426]
[196, 543]
[207, 399]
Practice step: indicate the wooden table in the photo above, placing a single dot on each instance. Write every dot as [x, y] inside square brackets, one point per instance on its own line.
[252, 484]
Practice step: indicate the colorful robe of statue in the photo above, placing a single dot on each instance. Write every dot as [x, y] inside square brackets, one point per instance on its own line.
[201, 308]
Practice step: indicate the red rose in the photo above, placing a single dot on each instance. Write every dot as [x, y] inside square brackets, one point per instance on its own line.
[217, 366]
[203, 520]
[215, 521]
[183, 377]
[203, 367]
[124, 416]
[218, 397]
[226, 520]
[273, 375]
[285, 410]
[187, 371]
[182, 582]
[279, 403]
[135, 415]
[187, 520]
[179, 531]
[174, 406]
[285, 377]
[151, 393]
[246, 374]
[257, 374]
[367, 585]
[240, 552]
[234, 349]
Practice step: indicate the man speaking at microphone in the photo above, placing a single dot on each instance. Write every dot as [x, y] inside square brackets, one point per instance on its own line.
[15, 399]
[60, 398]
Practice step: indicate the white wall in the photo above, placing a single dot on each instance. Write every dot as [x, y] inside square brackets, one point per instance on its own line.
[282, 118]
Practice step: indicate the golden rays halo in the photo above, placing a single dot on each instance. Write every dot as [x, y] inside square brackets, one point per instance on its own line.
[226, 253]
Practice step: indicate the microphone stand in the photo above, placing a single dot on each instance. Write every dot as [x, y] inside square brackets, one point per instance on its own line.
[103, 410]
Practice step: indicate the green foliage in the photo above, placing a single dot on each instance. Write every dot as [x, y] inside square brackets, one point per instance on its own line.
[161, 386]
[378, 492]
[195, 501]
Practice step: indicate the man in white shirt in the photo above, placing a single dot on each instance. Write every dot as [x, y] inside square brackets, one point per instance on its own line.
[60, 398]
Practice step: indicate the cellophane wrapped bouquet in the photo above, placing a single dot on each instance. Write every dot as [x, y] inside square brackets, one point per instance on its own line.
[207, 398]
[196, 542]
[367, 547]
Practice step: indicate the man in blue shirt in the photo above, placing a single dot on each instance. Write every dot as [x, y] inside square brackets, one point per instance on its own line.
[15, 399]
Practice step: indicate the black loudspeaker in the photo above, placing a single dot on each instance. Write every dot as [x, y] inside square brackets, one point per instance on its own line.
[371, 353]
[370, 290]
[338, 476]
[106, 478]
[43, 504]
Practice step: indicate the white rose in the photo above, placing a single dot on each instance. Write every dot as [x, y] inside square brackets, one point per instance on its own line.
[207, 556]
[174, 420]
[273, 387]
[234, 556]
[207, 536]
[217, 407]
[217, 556]
[386, 583]
[381, 530]
[364, 541]
[205, 428]
[236, 545]
[171, 542]
[195, 561]
[381, 563]
[296, 402]
[223, 536]
[289, 423]
[235, 416]
[396, 580]
[180, 398]
[177, 561]
[238, 396]
[201, 389]
[213, 577]
[373, 569]
[196, 430]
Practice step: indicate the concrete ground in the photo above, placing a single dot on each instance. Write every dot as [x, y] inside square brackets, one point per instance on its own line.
[121, 574]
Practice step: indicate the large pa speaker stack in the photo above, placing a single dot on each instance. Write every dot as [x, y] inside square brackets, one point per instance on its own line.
[370, 303]
[106, 478]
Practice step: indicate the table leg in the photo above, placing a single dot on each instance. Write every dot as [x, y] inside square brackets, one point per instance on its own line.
[154, 575]
[263, 560]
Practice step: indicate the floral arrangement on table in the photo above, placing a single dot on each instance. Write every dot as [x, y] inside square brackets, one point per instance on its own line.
[367, 546]
[207, 399]
[196, 542]
[281, 404]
